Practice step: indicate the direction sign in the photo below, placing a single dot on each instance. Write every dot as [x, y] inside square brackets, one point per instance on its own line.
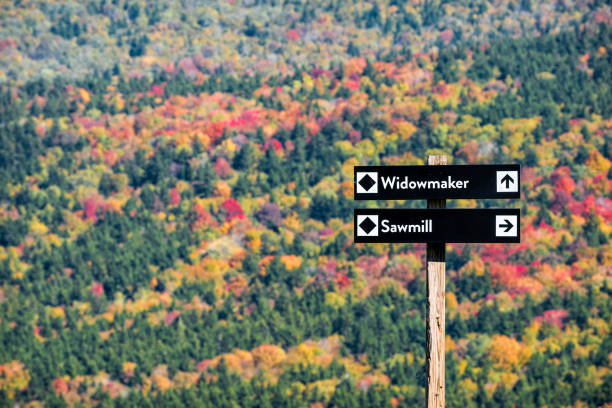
[437, 225]
[437, 182]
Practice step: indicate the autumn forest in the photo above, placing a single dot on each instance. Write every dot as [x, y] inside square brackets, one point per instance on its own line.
[176, 201]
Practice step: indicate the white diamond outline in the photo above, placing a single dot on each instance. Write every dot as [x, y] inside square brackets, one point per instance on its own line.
[360, 219]
[362, 174]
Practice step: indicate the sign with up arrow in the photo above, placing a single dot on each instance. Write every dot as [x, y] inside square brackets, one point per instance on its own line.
[437, 225]
[437, 182]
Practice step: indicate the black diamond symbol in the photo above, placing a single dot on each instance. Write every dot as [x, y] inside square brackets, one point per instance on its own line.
[367, 182]
[367, 225]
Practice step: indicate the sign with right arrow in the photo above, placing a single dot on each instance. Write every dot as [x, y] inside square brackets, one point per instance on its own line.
[437, 225]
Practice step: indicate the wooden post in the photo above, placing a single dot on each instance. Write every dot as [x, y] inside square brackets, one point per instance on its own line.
[436, 287]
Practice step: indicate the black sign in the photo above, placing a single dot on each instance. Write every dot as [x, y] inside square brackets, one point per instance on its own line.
[437, 182]
[437, 225]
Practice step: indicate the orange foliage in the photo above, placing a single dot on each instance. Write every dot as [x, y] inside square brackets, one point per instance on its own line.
[291, 262]
[507, 353]
[268, 355]
[368, 380]
[159, 378]
[60, 386]
[13, 377]
[128, 368]
[236, 285]
[183, 379]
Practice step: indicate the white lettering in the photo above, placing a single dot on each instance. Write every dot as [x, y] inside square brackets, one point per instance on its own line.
[424, 227]
[406, 184]
[385, 226]
[388, 181]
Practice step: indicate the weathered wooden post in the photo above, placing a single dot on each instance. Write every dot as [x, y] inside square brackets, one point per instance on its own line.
[436, 226]
[436, 283]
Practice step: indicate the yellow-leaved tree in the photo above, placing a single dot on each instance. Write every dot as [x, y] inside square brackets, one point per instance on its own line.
[13, 377]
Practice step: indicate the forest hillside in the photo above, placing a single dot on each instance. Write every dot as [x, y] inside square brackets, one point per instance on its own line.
[176, 201]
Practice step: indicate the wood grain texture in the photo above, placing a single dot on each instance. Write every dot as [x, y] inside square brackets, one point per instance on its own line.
[436, 284]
